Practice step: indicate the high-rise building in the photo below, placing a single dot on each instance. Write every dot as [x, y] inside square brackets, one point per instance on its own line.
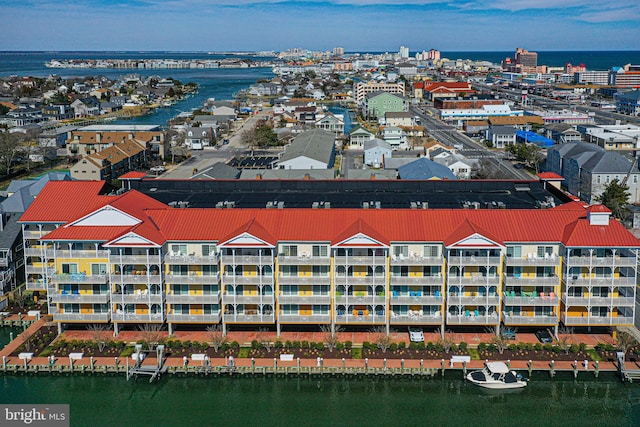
[404, 52]
[525, 58]
[338, 51]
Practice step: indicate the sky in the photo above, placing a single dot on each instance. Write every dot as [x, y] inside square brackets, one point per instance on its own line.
[356, 25]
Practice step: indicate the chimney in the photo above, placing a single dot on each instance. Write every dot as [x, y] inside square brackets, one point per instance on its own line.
[258, 176]
[98, 137]
[307, 177]
[598, 215]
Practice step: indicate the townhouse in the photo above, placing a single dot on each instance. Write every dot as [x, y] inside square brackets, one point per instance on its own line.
[129, 259]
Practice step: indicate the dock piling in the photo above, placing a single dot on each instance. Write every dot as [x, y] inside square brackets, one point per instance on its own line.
[552, 370]
[530, 367]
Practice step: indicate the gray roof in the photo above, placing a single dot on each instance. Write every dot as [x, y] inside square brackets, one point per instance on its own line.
[608, 162]
[218, 171]
[316, 144]
[503, 130]
[26, 190]
[397, 114]
[359, 129]
[288, 173]
[425, 169]
[397, 162]
[573, 148]
[376, 143]
[372, 174]
[633, 95]
[381, 92]
[10, 231]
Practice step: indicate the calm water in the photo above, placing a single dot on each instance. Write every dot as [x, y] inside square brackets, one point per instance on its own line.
[110, 401]
[5, 334]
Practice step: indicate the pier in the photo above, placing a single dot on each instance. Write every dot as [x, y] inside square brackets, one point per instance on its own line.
[154, 371]
[626, 374]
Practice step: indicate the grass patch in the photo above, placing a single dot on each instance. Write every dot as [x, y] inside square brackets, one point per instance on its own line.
[46, 352]
[356, 353]
[244, 352]
[594, 355]
[127, 351]
[473, 353]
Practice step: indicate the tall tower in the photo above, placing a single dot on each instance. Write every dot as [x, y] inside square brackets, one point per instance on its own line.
[404, 52]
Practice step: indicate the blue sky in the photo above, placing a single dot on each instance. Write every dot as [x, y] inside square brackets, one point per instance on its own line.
[356, 25]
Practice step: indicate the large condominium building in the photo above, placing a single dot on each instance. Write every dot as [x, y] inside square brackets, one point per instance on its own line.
[130, 259]
[364, 88]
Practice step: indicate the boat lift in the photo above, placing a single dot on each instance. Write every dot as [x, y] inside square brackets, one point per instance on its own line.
[154, 371]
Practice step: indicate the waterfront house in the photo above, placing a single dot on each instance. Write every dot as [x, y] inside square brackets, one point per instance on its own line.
[358, 136]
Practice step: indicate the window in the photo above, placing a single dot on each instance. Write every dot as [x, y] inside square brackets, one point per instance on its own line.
[545, 272]
[209, 250]
[319, 251]
[210, 308]
[320, 270]
[71, 308]
[400, 270]
[290, 250]
[431, 251]
[180, 270]
[100, 289]
[181, 308]
[431, 271]
[401, 251]
[97, 269]
[180, 250]
[289, 270]
[514, 251]
[544, 250]
[180, 289]
[69, 268]
[289, 309]
[320, 309]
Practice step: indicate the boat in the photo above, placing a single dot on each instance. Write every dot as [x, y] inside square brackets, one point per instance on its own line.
[497, 376]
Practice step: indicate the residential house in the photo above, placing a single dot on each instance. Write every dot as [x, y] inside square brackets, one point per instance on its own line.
[424, 168]
[400, 119]
[91, 139]
[562, 133]
[376, 151]
[86, 107]
[461, 167]
[112, 162]
[501, 136]
[377, 104]
[358, 136]
[313, 149]
[395, 137]
[331, 122]
[628, 102]
[197, 138]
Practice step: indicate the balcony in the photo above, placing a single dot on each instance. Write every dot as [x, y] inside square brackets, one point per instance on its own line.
[304, 280]
[191, 259]
[303, 299]
[600, 281]
[249, 318]
[80, 317]
[79, 298]
[193, 298]
[360, 298]
[360, 260]
[473, 280]
[193, 318]
[213, 279]
[79, 278]
[597, 320]
[38, 269]
[416, 260]
[453, 319]
[416, 300]
[473, 260]
[121, 279]
[40, 252]
[531, 280]
[248, 299]
[536, 301]
[141, 298]
[247, 260]
[135, 259]
[309, 318]
[137, 318]
[416, 280]
[532, 261]
[546, 320]
[405, 319]
[371, 319]
[591, 301]
[360, 280]
[473, 300]
[34, 234]
[39, 285]
[303, 260]
[228, 279]
[602, 261]
[82, 254]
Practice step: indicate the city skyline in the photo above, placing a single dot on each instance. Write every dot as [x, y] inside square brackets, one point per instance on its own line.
[356, 25]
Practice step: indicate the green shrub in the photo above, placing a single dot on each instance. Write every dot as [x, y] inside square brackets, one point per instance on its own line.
[430, 346]
[574, 348]
[340, 346]
[413, 346]
[462, 346]
[402, 345]
[304, 344]
[127, 351]
[547, 347]
[492, 347]
[186, 344]
[255, 344]
[421, 345]
[278, 344]
[365, 345]
[235, 345]
[204, 346]
[512, 347]
[582, 346]
[295, 344]
[454, 348]
[288, 344]
[348, 345]
[609, 347]
[538, 346]
[528, 346]
[393, 346]
[439, 348]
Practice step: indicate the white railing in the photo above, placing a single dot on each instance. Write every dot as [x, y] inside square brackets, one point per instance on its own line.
[533, 301]
[248, 299]
[249, 318]
[360, 260]
[193, 318]
[193, 299]
[136, 279]
[304, 299]
[596, 320]
[82, 253]
[304, 280]
[546, 320]
[132, 317]
[80, 317]
[416, 281]
[247, 260]
[191, 259]
[473, 260]
[135, 259]
[141, 298]
[416, 260]
[473, 300]
[309, 318]
[453, 319]
[422, 300]
[303, 260]
[79, 298]
[371, 319]
[192, 279]
[404, 319]
[79, 278]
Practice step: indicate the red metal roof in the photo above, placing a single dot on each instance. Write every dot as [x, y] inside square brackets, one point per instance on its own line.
[599, 208]
[133, 175]
[550, 176]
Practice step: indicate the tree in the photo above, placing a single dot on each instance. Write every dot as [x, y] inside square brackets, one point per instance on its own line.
[498, 340]
[445, 340]
[624, 341]
[216, 336]
[615, 196]
[10, 146]
[99, 334]
[529, 154]
[331, 338]
[151, 334]
[382, 340]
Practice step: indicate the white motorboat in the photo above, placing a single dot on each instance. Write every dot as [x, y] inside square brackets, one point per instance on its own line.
[497, 376]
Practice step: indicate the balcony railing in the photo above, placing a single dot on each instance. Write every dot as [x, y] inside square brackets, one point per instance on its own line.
[360, 280]
[191, 259]
[533, 261]
[38, 269]
[598, 301]
[531, 280]
[547, 320]
[79, 298]
[473, 260]
[79, 278]
[602, 261]
[248, 299]
[249, 318]
[35, 234]
[304, 260]
[193, 318]
[530, 301]
[453, 319]
[416, 260]
[416, 300]
[473, 300]
[193, 299]
[596, 320]
[247, 260]
[135, 259]
[360, 299]
[405, 319]
[360, 260]
[146, 298]
[600, 281]
[229, 279]
[36, 286]
[473, 280]
[416, 280]
[136, 279]
[39, 252]
[134, 318]
[80, 317]
[371, 319]
[82, 254]
[304, 299]
[308, 318]
[209, 279]
[304, 280]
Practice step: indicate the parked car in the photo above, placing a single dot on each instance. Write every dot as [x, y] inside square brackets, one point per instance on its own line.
[509, 334]
[158, 169]
[544, 336]
[415, 334]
